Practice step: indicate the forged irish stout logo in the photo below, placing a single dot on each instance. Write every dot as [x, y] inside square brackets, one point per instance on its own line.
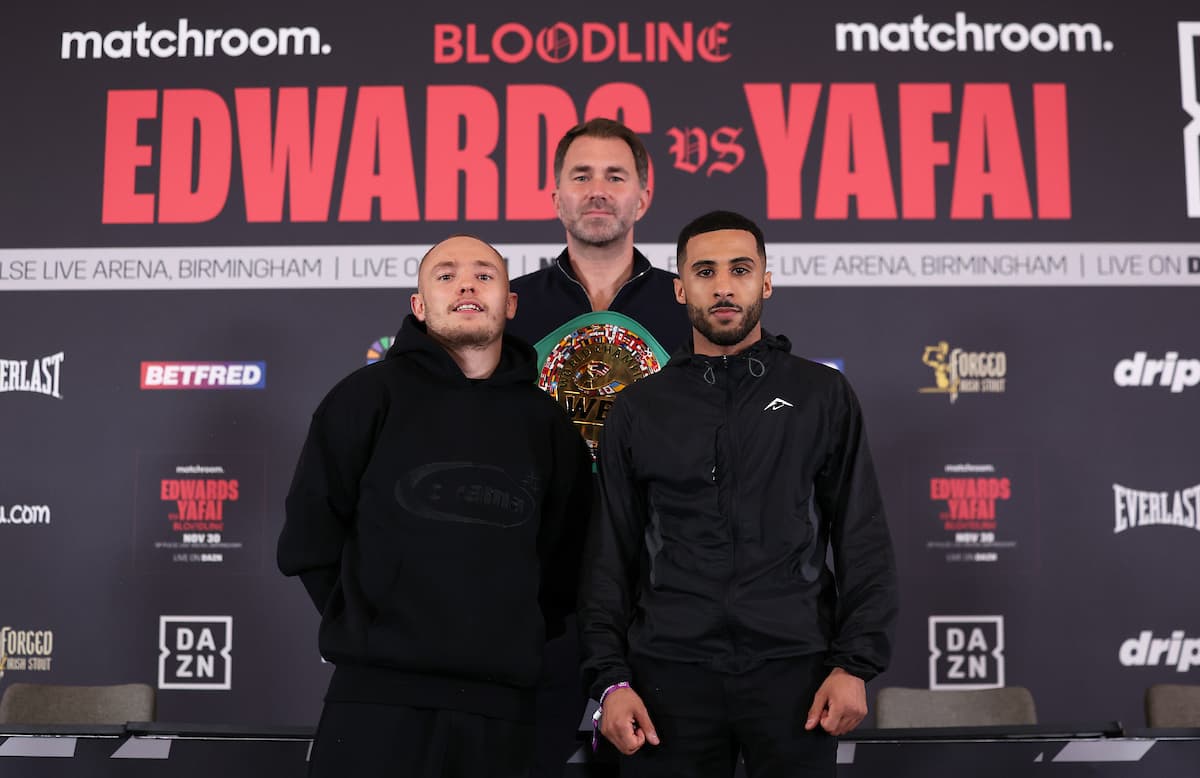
[25, 650]
[591, 359]
[195, 652]
[956, 371]
[966, 652]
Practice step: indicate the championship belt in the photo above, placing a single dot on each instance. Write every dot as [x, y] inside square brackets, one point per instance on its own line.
[589, 360]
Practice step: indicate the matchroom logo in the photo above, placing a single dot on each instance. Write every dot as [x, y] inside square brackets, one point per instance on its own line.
[966, 652]
[195, 652]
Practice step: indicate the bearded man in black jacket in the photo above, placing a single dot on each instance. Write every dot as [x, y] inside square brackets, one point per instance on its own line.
[436, 519]
[710, 621]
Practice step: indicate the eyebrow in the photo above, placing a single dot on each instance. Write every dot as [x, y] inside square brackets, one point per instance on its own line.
[710, 262]
[581, 168]
[450, 264]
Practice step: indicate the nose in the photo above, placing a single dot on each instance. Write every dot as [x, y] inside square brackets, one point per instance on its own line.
[597, 189]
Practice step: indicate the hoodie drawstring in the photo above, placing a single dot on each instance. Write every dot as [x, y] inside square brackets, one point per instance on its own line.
[760, 370]
[709, 376]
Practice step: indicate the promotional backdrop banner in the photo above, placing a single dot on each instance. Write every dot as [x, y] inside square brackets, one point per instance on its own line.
[987, 215]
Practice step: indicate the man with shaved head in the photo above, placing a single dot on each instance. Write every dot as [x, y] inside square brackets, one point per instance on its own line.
[436, 519]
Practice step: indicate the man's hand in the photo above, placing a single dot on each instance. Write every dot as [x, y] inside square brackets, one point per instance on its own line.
[840, 704]
[625, 722]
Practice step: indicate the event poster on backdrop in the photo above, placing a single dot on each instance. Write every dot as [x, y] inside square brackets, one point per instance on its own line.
[986, 214]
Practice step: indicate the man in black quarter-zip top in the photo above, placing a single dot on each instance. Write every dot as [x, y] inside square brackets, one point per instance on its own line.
[710, 621]
[600, 317]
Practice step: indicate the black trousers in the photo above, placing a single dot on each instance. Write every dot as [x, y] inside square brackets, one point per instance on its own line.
[560, 704]
[705, 719]
[366, 740]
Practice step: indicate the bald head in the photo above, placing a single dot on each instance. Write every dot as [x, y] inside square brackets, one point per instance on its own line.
[465, 251]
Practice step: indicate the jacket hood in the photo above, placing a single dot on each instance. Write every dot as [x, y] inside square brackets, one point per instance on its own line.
[759, 349]
[518, 360]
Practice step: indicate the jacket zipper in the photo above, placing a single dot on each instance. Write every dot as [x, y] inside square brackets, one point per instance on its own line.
[730, 476]
[628, 281]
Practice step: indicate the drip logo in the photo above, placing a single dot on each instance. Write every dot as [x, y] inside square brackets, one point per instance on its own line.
[1179, 374]
[1178, 651]
[195, 652]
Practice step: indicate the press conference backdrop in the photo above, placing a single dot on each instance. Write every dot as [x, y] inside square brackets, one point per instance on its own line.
[986, 214]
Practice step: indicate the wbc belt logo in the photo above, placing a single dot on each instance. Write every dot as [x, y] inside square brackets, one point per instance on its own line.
[589, 360]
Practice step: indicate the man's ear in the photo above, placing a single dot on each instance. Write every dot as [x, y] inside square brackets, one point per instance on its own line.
[680, 295]
[643, 203]
[417, 302]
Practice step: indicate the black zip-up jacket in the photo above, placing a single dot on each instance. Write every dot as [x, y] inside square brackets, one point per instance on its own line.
[724, 480]
[552, 296]
[437, 523]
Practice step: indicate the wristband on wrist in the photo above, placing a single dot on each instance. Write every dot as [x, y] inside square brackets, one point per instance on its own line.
[600, 711]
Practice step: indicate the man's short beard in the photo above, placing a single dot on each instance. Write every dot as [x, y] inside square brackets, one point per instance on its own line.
[725, 337]
[600, 237]
[456, 338]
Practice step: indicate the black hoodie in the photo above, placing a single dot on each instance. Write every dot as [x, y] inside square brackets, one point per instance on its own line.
[437, 522]
[725, 480]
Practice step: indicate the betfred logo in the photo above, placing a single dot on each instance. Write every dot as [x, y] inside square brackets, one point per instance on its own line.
[1178, 651]
[1171, 371]
[204, 375]
[966, 652]
[195, 652]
